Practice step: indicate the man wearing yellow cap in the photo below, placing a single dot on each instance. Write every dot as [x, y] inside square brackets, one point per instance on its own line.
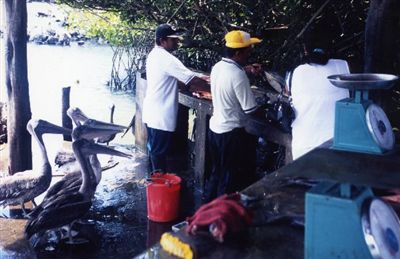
[232, 149]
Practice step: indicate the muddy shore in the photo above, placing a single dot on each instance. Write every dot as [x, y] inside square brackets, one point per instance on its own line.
[118, 227]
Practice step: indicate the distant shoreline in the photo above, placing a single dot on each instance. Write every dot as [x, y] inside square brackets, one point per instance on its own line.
[48, 25]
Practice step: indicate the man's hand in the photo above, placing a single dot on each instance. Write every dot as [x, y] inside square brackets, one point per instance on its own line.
[205, 78]
[253, 69]
[199, 83]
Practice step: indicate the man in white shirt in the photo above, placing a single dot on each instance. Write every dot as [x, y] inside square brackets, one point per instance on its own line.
[232, 149]
[313, 96]
[160, 105]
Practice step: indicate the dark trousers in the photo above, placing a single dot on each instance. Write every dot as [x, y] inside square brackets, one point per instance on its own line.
[233, 158]
[159, 146]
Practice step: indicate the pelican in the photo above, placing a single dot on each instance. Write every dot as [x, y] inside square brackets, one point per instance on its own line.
[107, 139]
[73, 204]
[89, 130]
[80, 118]
[27, 185]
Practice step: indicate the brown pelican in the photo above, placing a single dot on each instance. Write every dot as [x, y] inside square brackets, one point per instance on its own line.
[79, 118]
[91, 129]
[72, 204]
[107, 139]
[25, 186]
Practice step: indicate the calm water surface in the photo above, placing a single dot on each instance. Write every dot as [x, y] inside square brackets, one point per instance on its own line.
[86, 69]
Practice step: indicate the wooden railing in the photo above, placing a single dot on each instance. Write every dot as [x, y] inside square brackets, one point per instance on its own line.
[203, 109]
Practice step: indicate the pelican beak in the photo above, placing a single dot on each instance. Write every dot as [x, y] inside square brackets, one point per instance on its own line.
[90, 133]
[47, 127]
[91, 148]
[76, 115]
[104, 125]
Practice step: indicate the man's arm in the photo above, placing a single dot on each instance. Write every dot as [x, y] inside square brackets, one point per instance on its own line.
[257, 113]
[199, 83]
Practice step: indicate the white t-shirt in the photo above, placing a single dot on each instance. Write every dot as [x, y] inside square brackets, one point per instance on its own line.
[314, 99]
[231, 96]
[160, 105]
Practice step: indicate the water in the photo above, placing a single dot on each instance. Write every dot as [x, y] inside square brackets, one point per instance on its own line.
[86, 69]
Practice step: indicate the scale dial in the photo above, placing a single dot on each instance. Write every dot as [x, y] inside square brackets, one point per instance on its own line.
[379, 127]
[381, 228]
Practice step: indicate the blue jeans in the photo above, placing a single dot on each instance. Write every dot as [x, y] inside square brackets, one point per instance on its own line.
[158, 146]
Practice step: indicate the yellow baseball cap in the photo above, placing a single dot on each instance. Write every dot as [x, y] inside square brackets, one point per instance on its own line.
[239, 39]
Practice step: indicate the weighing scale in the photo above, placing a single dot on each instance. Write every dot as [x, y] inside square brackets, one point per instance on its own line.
[342, 217]
[360, 125]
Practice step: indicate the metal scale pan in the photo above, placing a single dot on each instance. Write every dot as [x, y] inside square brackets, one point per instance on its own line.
[363, 81]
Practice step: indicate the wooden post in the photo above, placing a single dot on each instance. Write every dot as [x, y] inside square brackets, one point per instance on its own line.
[203, 110]
[380, 41]
[16, 82]
[200, 145]
[66, 121]
[140, 128]
[380, 46]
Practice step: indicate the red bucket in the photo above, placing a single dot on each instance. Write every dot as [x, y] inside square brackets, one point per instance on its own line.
[163, 197]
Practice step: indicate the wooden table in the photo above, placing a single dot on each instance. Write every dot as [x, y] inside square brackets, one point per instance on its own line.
[281, 195]
[255, 126]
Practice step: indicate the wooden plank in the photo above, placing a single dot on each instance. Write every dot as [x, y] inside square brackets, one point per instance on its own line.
[186, 99]
[203, 110]
[140, 128]
[380, 171]
[200, 146]
[66, 121]
[255, 126]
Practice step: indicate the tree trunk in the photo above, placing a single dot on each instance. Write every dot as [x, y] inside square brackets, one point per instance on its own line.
[381, 33]
[19, 109]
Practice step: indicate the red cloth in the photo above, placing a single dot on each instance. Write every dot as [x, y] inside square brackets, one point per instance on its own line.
[220, 216]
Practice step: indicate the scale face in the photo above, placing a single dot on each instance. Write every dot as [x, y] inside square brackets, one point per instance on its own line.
[360, 125]
[381, 229]
[379, 127]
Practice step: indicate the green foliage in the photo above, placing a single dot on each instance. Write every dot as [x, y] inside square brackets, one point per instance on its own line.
[107, 25]
[280, 23]
[277, 22]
